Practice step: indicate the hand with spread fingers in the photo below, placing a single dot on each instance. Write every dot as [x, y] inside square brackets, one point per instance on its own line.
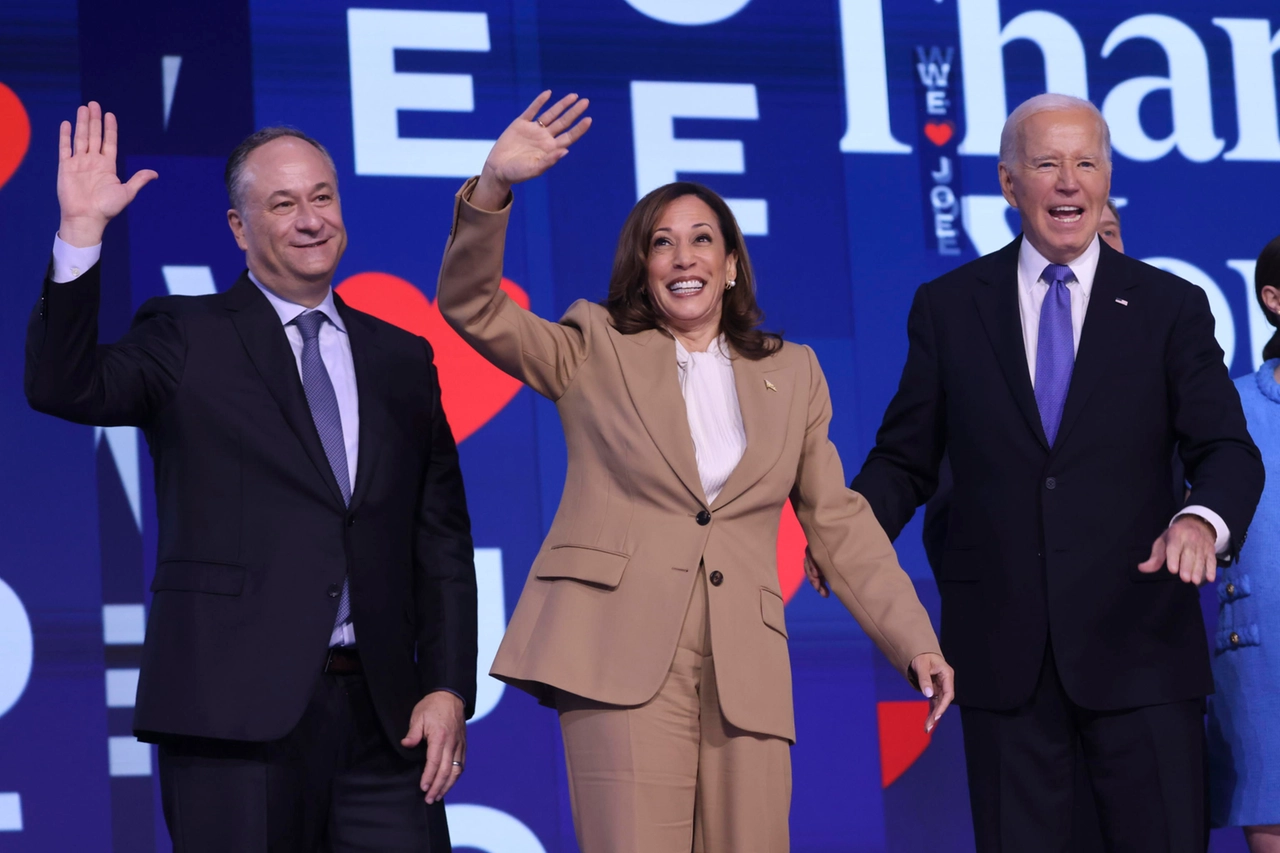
[439, 719]
[89, 192]
[1187, 547]
[530, 145]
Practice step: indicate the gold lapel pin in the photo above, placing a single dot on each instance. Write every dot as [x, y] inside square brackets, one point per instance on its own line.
[769, 385]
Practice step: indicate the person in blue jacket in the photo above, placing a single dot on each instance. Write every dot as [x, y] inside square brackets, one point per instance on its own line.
[1244, 733]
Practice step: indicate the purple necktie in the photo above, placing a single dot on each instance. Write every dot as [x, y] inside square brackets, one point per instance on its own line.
[324, 412]
[1055, 351]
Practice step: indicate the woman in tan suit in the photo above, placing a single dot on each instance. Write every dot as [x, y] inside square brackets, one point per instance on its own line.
[651, 619]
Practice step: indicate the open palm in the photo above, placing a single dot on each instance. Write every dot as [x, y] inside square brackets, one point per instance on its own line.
[89, 192]
[531, 145]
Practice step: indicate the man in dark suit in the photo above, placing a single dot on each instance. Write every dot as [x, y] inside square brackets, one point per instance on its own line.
[313, 626]
[1058, 375]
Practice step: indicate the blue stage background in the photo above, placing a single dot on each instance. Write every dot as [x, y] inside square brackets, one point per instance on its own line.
[857, 140]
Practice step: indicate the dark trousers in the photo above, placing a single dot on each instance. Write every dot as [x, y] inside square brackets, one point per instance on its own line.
[1145, 767]
[332, 784]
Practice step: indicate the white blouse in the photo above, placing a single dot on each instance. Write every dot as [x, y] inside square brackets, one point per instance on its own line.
[715, 417]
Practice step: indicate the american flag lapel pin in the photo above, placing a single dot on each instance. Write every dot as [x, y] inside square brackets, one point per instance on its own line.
[1124, 302]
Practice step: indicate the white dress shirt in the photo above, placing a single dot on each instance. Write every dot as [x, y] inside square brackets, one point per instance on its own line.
[70, 262]
[1032, 289]
[715, 416]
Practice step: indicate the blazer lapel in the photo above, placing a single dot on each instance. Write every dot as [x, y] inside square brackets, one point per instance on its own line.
[268, 347]
[997, 300]
[1104, 330]
[648, 361]
[371, 387]
[764, 395]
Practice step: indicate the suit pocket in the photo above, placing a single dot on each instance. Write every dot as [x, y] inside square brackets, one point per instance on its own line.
[199, 576]
[581, 563]
[773, 611]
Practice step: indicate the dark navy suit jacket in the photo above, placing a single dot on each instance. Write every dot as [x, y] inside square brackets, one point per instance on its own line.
[1045, 542]
[254, 537]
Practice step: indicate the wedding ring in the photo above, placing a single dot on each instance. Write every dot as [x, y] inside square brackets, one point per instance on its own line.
[540, 124]
[457, 764]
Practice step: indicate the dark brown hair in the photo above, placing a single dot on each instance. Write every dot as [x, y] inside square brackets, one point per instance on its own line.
[234, 174]
[1267, 272]
[628, 302]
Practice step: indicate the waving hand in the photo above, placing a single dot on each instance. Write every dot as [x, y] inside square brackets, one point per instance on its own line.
[529, 146]
[89, 192]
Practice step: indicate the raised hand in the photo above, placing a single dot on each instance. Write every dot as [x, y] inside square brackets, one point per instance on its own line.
[89, 192]
[529, 146]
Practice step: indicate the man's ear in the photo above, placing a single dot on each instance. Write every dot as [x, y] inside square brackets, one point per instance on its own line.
[1006, 185]
[237, 228]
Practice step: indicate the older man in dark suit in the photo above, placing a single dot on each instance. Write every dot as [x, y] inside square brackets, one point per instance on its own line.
[313, 627]
[1058, 376]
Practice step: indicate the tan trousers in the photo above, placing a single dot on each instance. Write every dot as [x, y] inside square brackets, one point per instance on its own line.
[672, 775]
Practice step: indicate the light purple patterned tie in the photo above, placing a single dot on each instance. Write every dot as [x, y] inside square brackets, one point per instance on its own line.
[328, 420]
[1055, 351]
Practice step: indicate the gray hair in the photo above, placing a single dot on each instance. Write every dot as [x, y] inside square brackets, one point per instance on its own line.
[1011, 135]
[234, 175]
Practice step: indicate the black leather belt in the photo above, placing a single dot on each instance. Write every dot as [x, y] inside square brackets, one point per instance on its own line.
[343, 660]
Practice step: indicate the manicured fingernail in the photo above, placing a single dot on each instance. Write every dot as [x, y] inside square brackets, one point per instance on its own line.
[928, 692]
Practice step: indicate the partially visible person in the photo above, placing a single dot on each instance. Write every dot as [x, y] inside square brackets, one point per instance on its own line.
[652, 619]
[1059, 375]
[310, 654]
[1244, 736]
[1109, 227]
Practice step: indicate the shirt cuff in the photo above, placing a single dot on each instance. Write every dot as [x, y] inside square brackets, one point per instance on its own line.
[1219, 526]
[70, 262]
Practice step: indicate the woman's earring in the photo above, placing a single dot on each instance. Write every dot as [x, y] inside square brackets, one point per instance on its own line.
[728, 285]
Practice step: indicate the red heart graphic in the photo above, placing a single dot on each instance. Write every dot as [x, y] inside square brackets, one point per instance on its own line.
[902, 737]
[472, 390]
[15, 133]
[939, 132]
[791, 545]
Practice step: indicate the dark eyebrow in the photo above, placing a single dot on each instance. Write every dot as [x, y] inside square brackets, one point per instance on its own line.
[694, 225]
[323, 185]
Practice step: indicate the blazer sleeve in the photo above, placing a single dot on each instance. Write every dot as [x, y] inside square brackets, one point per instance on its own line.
[1223, 464]
[444, 563]
[901, 471]
[543, 355]
[69, 375]
[850, 546]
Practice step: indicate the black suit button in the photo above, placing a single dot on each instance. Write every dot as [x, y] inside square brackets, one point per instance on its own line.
[351, 520]
[704, 518]
[334, 589]
[1051, 483]
[716, 579]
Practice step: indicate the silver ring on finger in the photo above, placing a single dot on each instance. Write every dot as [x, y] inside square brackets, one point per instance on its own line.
[457, 764]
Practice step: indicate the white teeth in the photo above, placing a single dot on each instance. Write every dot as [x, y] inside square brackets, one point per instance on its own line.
[686, 287]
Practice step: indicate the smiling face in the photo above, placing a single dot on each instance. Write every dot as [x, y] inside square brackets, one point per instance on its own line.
[290, 226]
[1059, 180]
[688, 265]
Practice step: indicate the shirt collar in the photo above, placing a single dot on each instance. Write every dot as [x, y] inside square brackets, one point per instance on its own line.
[718, 350]
[1031, 264]
[289, 311]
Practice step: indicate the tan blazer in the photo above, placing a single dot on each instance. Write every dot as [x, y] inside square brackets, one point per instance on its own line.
[603, 605]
